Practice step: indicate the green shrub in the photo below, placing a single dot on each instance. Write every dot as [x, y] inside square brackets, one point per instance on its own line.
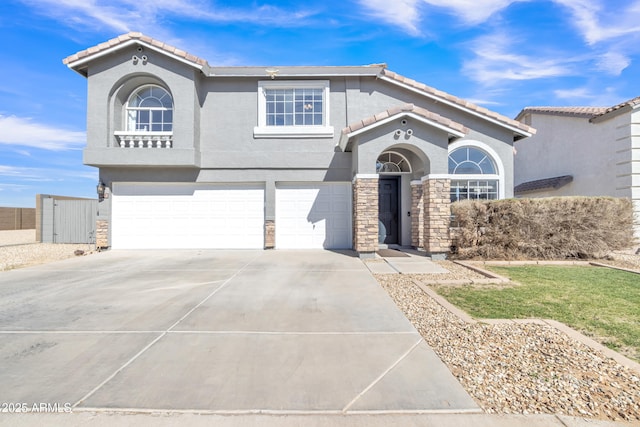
[546, 228]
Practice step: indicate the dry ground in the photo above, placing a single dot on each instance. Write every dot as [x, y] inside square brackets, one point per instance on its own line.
[18, 248]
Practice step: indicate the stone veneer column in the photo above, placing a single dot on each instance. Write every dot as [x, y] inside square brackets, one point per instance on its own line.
[102, 233]
[365, 215]
[417, 215]
[437, 214]
[269, 234]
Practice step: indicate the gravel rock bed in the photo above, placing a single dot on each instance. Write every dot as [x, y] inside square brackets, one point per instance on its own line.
[17, 256]
[456, 272]
[623, 259]
[520, 368]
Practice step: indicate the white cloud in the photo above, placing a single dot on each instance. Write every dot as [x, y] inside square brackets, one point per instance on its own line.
[402, 13]
[597, 96]
[407, 13]
[485, 102]
[472, 11]
[21, 131]
[147, 15]
[37, 174]
[495, 61]
[613, 63]
[13, 187]
[597, 22]
[575, 93]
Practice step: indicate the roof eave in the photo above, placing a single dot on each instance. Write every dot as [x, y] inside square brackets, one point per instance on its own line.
[519, 132]
[280, 72]
[345, 138]
[80, 65]
[611, 114]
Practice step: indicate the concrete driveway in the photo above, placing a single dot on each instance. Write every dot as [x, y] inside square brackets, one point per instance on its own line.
[225, 332]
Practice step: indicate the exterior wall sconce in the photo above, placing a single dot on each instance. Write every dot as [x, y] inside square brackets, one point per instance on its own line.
[100, 189]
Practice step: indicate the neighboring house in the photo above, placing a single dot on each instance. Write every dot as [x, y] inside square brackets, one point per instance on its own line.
[196, 156]
[586, 151]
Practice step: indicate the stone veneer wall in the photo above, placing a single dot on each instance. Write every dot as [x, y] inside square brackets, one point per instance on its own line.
[269, 234]
[417, 215]
[102, 233]
[437, 215]
[365, 215]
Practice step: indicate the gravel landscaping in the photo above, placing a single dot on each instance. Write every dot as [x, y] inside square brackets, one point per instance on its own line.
[19, 249]
[519, 368]
[627, 259]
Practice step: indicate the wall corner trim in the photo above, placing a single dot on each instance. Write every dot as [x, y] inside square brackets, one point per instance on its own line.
[436, 176]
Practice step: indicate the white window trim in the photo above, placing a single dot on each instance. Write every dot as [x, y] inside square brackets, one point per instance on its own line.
[127, 109]
[264, 131]
[496, 160]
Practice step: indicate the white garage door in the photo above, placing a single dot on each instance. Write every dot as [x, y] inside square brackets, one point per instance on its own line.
[313, 215]
[173, 216]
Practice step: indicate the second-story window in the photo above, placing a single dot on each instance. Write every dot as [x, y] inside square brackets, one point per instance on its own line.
[293, 108]
[150, 109]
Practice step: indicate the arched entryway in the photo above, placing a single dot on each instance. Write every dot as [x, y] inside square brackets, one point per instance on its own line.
[396, 167]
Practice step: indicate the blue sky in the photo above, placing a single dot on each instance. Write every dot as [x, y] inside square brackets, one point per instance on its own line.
[502, 54]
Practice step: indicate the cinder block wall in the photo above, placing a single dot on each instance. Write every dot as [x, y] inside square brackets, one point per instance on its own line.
[17, 218]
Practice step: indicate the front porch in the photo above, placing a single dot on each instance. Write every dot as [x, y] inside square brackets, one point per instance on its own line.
[427, 216]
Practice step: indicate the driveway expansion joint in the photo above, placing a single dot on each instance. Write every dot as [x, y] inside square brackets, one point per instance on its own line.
[163, 334]
[381, 376]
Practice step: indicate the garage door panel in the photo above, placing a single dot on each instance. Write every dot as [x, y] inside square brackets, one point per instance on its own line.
[188, 216]
[313, 215]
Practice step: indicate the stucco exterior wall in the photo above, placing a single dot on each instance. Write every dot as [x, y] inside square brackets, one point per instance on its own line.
[214, 117]
[111, 81]
[568, 146]
[628, 159]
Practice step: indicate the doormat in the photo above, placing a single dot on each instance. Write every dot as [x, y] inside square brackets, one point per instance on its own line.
[391, 253]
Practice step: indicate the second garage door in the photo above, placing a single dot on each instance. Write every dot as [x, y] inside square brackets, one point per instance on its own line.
[173, 216]
[313, 215]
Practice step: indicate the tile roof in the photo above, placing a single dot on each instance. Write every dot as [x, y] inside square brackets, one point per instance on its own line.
[630, 103]
[592, 113]
[428, 90]
[543, 184]
[132, 36]
[404, 109]
[361, 126]
[565, 111]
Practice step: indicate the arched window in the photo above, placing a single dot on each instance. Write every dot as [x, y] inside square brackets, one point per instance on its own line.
[150, 109]
[471, 160]
[476, 174]
[390, 162]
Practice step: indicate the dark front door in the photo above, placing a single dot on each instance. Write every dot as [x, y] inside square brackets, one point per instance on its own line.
[388, 210]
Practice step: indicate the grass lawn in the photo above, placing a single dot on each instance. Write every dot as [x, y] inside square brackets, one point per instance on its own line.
[602, 302]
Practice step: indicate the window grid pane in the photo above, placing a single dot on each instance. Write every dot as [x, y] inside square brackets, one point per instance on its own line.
[470, 160]
[294, 107]
[474, 190]
[150, 110]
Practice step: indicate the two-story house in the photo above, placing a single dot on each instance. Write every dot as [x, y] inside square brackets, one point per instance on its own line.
[196, 156]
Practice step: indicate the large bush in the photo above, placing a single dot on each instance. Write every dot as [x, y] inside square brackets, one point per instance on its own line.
[547, 228]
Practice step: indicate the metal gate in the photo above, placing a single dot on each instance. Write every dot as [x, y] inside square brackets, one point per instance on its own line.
[69, 221]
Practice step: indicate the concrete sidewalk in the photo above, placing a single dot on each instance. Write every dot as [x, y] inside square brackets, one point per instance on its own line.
[411, 262]
[105, 419]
